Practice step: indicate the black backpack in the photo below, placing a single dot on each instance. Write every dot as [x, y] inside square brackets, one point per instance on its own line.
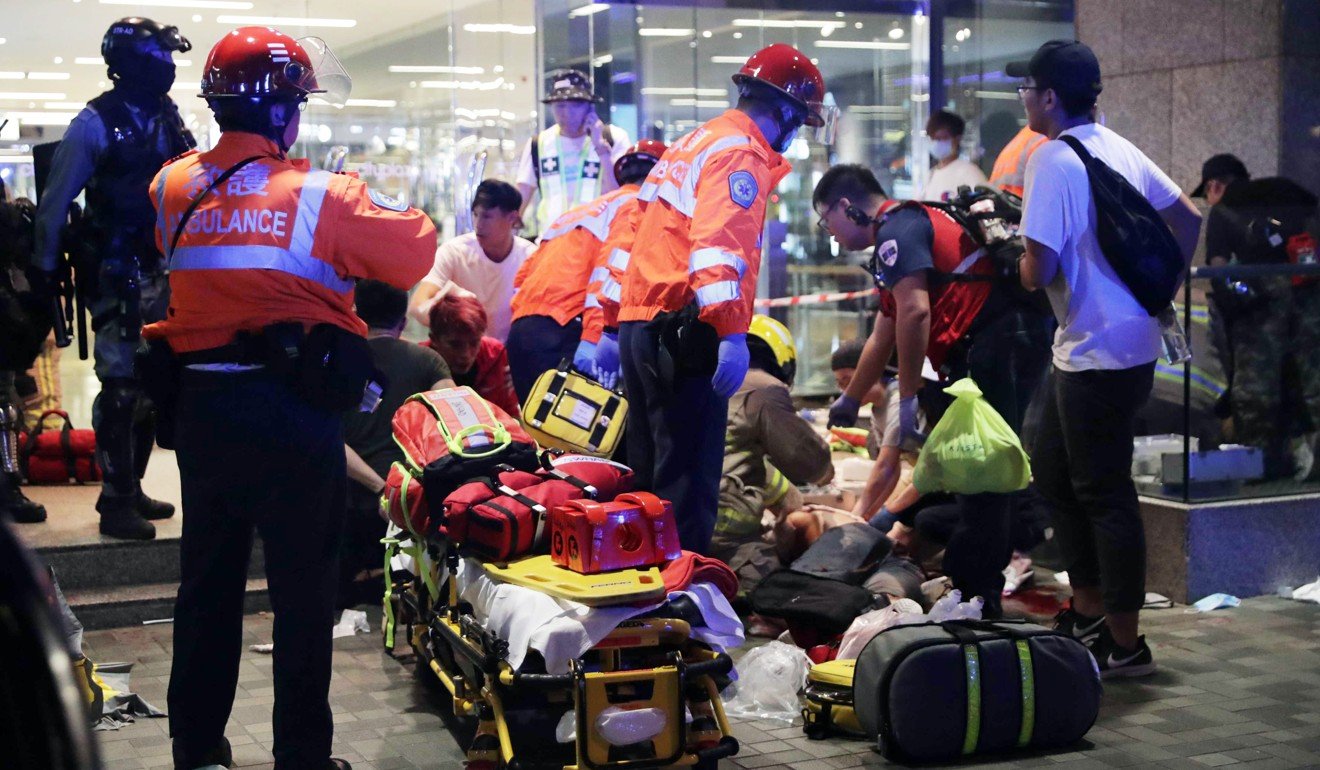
[1133, 237]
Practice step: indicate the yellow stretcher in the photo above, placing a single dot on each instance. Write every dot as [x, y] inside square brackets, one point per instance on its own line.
[643, 697]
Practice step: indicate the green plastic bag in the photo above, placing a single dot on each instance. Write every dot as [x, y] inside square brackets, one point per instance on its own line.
[971, 449]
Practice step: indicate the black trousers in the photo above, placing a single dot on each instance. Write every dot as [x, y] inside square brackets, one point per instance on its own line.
[537, 343]
[1082, 461]
[675, 434]
[255, 457]
[1008, 358]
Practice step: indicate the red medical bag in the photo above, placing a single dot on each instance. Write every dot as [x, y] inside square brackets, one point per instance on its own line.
[636, 530]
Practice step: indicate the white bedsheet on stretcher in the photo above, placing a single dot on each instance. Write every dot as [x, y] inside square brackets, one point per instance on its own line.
[562, 630]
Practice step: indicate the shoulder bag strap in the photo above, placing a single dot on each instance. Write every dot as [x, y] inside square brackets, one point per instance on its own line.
[192, 207]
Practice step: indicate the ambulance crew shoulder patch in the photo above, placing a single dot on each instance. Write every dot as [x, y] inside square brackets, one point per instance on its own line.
[889, 253]
[386, 202]
[742, 188]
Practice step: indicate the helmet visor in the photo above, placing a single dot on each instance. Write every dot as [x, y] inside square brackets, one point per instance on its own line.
[170, 39]
[823, 119]
[327, 78]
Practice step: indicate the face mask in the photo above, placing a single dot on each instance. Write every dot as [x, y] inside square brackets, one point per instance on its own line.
[782, 144]
[941, 148]
[156, 76]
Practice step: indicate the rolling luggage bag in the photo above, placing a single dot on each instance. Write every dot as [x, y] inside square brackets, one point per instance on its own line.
[568, 411]
[936, 692]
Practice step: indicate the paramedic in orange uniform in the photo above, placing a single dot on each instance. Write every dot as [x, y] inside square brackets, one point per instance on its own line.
[271, 241]
[556, 314]
[690, 280]
[1010, 171]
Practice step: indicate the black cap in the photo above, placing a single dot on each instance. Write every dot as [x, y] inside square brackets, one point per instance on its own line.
[569, 86]
[1067, 66]
[1218, 167]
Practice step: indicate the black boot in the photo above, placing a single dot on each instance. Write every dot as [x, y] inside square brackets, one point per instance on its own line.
[221, 755]
[16, 505]
[152, 510]
[120, 518]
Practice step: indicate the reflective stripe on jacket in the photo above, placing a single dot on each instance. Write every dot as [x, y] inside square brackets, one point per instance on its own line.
[562, 277]
[277, 241]
[700, 234]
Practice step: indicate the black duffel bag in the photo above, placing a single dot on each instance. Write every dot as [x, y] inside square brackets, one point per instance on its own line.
[936, 692]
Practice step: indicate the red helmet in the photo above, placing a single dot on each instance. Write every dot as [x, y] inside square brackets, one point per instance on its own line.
[636, 163]
[786, 70]
[259, 61]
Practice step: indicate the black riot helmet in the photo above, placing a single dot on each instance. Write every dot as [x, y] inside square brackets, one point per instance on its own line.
[131, 40]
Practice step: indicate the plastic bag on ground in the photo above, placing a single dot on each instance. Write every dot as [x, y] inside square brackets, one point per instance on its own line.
[1308, 593]
[351, 623]
[769, 679]
[865, 627]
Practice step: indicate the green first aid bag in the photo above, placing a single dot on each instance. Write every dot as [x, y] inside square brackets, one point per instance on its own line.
[971, 449]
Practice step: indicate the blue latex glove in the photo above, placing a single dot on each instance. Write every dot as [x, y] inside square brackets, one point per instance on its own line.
[584, 358]
[605, 365]
[731, 365]
[843, 412]
[910, 438]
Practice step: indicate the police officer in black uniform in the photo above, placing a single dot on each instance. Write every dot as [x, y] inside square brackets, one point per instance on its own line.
[21, 336]
[113, 148]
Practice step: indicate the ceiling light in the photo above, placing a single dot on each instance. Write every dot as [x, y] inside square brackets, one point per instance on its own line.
[728, 60]
[874, 45]
[665, 32]
[685, 91]
[711, 103]
[197, 18]
[895, 33]
[215, 5]
[3, 41]
[183, 62]
[48, 76]
[12, 75]
[588, 10]
[285, 21]
[63, 105]
[707, 33]
[789, 24]
[512, 29]
[32, 95]
[876, 109]
[437, 69]
[371, 103]
[464, 85]
[737, 36]
[17, 158]
[1005, 95]
[601, 61]
[59, 60]
[193, 86]
[94, 60]
[857, 25]
[43, 118]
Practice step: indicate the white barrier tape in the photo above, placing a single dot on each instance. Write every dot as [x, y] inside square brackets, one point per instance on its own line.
[815, 299]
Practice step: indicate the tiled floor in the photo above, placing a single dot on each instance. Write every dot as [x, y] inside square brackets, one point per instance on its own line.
[1236, 687]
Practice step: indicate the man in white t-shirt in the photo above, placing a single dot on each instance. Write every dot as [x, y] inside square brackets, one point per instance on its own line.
[1104, 353]
[945, 130]
[571, 162]
[482, 262]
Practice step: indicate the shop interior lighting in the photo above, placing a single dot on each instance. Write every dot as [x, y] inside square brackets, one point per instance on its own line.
[512, 29]
[665, 32]
[16, 158]
[1005, 95]
[588, 10]
[48, 76]
[728, 60]
[686, 91]
[63, 105]
[213, 5]
[33, 96]
[825, 27]
[437, 69]
[12, 75]
[712, 103]
[871, 45]
[92, 60]
[464, 85]
[896, 33]
[601, 61]
[285, 21]
[43, 118]
[371, 103]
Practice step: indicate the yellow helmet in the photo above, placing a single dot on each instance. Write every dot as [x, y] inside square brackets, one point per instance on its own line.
[779, 340]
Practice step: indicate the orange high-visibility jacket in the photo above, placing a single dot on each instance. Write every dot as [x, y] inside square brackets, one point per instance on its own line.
[700, 234]
[563, 276]
[277, 241]
[1010, 171]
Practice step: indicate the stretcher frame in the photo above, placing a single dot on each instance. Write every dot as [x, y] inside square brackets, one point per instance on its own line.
[652, 655]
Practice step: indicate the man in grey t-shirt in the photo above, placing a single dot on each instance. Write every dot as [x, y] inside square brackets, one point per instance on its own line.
[1104, 352]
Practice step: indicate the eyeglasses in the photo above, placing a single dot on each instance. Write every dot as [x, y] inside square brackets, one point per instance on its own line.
[821, 223]
[1022, 90]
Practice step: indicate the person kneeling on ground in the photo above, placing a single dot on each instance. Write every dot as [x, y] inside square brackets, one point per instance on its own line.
[458, 328]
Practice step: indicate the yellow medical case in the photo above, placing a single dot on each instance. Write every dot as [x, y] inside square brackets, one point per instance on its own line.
[569, 411]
